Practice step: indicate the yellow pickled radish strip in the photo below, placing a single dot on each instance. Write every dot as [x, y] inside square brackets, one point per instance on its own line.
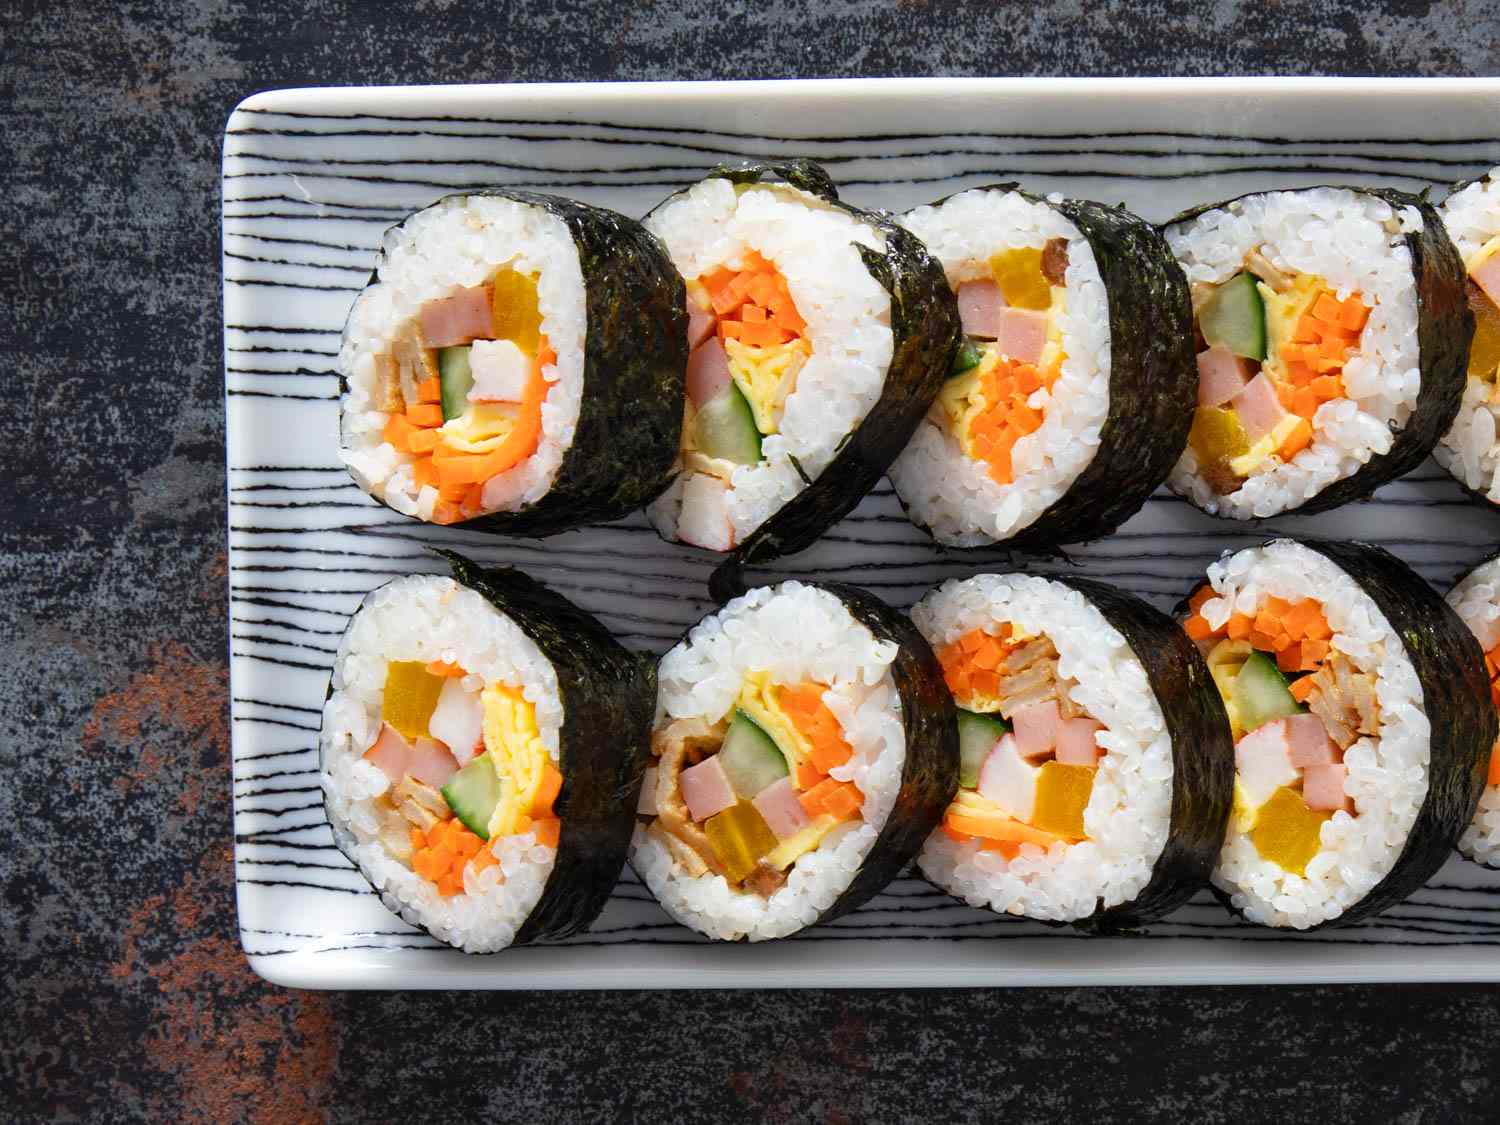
[1019, 274]
[1287, 832]
[740, 837]
[1217, 435]
[411, 694]
[1062, 793]
[1484, 352]
[514, 312]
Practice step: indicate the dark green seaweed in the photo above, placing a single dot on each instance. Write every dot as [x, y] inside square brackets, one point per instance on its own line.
[634, 364]
[924, 322]
[1445, 326]
[1153, 377]
[1455, 694]
[1202, 756]
[608, 698]
[929, 776]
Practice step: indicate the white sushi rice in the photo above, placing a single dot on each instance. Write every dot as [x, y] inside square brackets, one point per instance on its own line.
[1471, 449]
[1129, 812]
[1388, 773]
[943, 488]
[460, 242]
[848, 317]
[1354, 242]
[425, 618]
[796, 633]
[1477, 600]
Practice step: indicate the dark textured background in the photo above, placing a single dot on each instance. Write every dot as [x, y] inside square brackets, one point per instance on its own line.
[122, 988]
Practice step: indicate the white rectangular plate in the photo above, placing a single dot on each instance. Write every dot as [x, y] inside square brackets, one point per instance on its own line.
[312, 178]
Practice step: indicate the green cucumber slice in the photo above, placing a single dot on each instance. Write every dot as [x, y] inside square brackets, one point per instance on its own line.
[726, 428]
[750, 757]
[966, 358]
[472, 793]
[1235, 316]
[977, 735]
[1261, 694]
[457, 378]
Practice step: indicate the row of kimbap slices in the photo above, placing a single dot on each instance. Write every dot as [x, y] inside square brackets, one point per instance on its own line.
[748, 362]
[1314, 738]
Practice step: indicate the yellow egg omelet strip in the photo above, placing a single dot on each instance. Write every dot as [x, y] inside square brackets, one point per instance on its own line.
[515, 747]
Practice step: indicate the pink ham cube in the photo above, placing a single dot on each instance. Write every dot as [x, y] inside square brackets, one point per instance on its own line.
[459, 318]
[707, 372]
[706, 789]
[1076, 742]
[431, 763]
[779, 807]
[1323, 788]
[1221, 376]
[390, 751]
[1022, 334]
[700, 326]
[1309, 741]
[1487, 276]
[1036, 729]
[979, 305]
[1258, 407]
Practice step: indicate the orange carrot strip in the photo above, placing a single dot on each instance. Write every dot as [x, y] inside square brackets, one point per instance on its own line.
[430, 390]
[423, 441]
[1302, 688]
[547, 830]
[551, 786]
[445, 668]
[1296, 441]
[398, 431]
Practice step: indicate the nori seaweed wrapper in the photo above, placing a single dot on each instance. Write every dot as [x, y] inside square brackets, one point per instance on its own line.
[1153, 376]
[608, 697]
[1202, 756]
[1445, 327]
[634, 367]
[1456, 698]
[926, 331]
[929, 772]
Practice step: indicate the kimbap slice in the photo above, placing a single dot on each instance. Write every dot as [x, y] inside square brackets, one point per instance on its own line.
[482, 747]
[1071, 398]
[804, 748]
[1330, 326]
[1476, 600]
[1471, 449]
[1362, 721]
[1097, 764]
[819, 333]
[514, 364]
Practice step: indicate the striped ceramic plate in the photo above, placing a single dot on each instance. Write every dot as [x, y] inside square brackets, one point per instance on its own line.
[312, 177]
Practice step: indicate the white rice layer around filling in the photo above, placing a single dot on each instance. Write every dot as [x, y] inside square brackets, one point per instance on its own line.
[1477, 600]
[848, 315]
[1356, 243]
[796, 633]
[460, 242]
[946, 490]
[1129, 812]
[1387, 773]
[1471, 448]
[426, 618]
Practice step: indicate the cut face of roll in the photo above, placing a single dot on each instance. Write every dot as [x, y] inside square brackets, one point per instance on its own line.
[1476, 600]
[1471, 449]
[818, 334]
[511, 363]
[1069, 402]
[1096, 766]
[1330, 327]
[1360, 709]
[482, 746]
[803, 750]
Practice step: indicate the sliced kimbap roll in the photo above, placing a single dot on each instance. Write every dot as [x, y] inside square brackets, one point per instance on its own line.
[1071, 398]
[1476, 599]
[804, 748]
[1360, 710]
[819, 333]
[1096, 768]
[1471, 449]
[1331, 329]
[515, 364]
[482, 749]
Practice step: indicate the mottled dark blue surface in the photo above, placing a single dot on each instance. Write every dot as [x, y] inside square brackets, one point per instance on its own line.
[123, 990]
